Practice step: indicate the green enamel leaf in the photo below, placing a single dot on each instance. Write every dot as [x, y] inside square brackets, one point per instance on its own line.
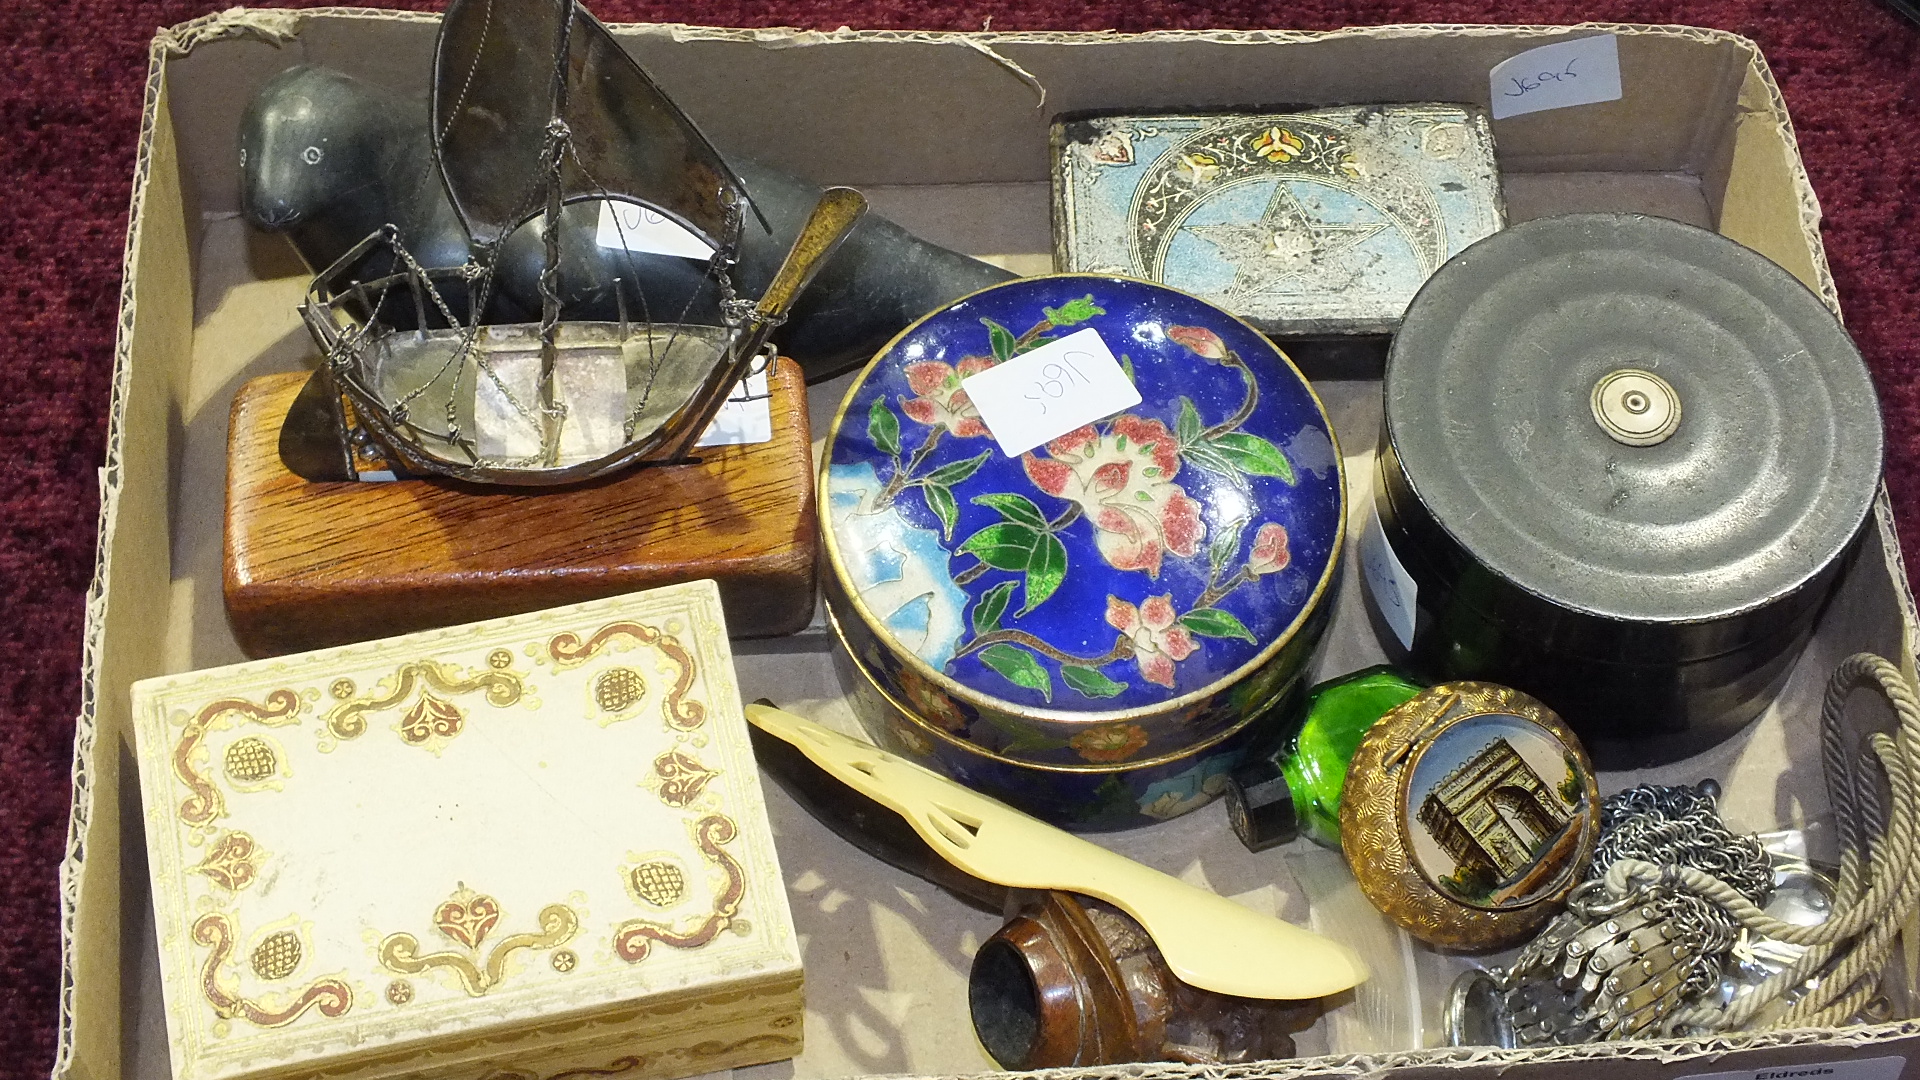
[1074, 312]
[1213, 622]
[955, 471]
[992, 604]
[1018, 667]
[1113, 803]
[1187, 426]
[1004, 545]
[1226, 544]
[1002, 339]
[1046, 569]
[1089, 681]
[884, 429]
[1253, 455]
[940, 501]
[1206, 456]
[1126, 365]
[1014, 508]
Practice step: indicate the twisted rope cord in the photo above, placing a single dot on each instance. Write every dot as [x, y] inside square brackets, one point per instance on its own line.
[1856, 801]
[1870, 906]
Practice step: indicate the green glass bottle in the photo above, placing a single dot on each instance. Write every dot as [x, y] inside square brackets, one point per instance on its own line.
[1292, 786]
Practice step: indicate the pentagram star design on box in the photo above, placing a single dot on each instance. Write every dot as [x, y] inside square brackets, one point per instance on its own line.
[1284, 242]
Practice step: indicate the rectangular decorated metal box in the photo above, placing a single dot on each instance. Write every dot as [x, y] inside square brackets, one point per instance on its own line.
[1315, 223]
[500, 850]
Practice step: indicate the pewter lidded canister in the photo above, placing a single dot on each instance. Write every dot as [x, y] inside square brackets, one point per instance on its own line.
[1092, 628]
[1624, 463]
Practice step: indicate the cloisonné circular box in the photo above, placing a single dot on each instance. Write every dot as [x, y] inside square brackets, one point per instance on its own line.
[1081, 798]
[1127, 592]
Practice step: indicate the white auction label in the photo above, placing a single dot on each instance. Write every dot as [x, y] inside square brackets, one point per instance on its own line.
[745, 419]
[1879, 1068]
[1579, 72]
[639, 229]
[1043, 394]
[1392, 588]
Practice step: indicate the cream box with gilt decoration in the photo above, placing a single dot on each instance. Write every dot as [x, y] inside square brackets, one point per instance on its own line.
[515, 850]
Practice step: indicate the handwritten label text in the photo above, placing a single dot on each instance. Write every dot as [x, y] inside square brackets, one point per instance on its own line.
[1044, 394]
[1579, 72]
[641, 229]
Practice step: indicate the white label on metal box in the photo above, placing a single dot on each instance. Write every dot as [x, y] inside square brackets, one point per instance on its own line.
[1880, 1068]
[1392, 588]
[1578, 72]
[1044, 394]
[636, 228]
[746, 417]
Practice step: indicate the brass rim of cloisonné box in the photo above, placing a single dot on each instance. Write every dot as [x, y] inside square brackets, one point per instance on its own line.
[1375, 814]
[978, 698]
[921, 724]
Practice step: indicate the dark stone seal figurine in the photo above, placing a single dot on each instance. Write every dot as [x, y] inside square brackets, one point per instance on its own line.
[329, 159]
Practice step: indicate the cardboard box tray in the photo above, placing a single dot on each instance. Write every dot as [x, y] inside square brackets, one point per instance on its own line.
[947, 133]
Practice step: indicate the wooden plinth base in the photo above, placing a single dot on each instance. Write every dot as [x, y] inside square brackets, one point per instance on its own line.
[315, 564]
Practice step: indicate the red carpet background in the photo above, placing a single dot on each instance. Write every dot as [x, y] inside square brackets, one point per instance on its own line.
[69, 118]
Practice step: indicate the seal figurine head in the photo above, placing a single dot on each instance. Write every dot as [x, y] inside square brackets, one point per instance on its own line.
[329, 159]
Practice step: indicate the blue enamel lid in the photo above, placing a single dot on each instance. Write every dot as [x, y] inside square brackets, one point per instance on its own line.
[1126, 567]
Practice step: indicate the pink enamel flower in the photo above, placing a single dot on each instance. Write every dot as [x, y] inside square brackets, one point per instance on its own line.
[929, 702]
[938, 398]
[1270, 554]
[1123, 481]
[1201, 340]
[1158, 640]
[1109, 742]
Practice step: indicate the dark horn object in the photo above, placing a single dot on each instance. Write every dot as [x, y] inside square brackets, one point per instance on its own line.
[1071, 980]
[330, 159]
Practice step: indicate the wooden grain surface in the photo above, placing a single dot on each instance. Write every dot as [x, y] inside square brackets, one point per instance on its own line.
[315, 564]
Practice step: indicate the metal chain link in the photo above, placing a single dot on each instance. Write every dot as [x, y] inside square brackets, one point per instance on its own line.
[733, 310]
[1679, 826]
[1559, 990]
[1674, 826]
